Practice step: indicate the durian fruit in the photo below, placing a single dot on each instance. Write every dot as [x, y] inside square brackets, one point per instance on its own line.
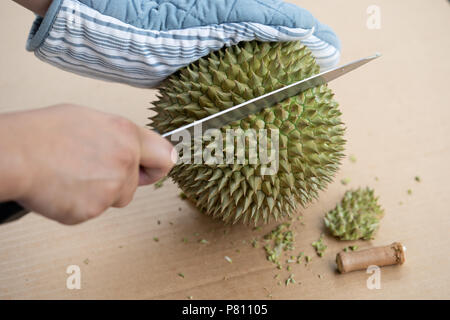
[356, 217]
[311, 132]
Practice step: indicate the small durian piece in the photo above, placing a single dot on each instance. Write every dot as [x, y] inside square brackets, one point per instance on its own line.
[356, 217]
[319, 246]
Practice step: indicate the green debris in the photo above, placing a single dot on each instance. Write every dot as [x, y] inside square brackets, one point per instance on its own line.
[308, 259]
[290, 280]
[320, 246]
[299, 257]
[345, 181]
[183, 196]
[352, 248]
[86, 261]
[409, 191]
[203, 241]
[196, 234]
[160, 183]
[185, 240]
[156, 239]
[417, 178]
[190, 297]
[228, 259]
[288, 268]
[356, 217]
[280, 239]
[292, 259]
[181, 275]
[352, 158]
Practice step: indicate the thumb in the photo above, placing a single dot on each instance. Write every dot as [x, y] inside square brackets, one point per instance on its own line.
[156, 157]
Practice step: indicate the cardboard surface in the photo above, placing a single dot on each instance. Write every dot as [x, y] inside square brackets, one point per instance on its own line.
[397, 114]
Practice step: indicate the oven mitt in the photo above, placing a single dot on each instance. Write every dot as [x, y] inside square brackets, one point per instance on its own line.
[141, 42]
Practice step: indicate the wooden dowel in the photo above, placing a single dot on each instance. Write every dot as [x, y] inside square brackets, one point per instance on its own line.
[379, 256]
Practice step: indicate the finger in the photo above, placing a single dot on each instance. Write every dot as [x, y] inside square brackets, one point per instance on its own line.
[127, 193]
[150, 176]
[156, 154]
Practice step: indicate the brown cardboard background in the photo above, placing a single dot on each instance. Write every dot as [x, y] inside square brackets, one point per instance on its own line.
[397, 113]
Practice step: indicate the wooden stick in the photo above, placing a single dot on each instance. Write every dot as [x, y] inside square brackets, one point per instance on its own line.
[379, 256]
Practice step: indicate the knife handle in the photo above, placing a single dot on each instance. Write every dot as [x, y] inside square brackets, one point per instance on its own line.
[11, 211]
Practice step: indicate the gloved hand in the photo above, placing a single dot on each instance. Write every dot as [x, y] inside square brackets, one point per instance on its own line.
[141, 42]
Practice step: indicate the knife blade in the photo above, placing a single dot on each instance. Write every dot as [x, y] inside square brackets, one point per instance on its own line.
[253, 106]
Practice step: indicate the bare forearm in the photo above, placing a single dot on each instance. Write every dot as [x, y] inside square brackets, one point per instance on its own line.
[39, 7]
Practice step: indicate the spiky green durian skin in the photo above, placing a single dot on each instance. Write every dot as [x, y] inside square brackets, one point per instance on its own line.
[356, 217]
[311, 132]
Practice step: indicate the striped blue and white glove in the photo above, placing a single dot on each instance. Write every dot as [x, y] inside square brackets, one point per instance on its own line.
[141, 42]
